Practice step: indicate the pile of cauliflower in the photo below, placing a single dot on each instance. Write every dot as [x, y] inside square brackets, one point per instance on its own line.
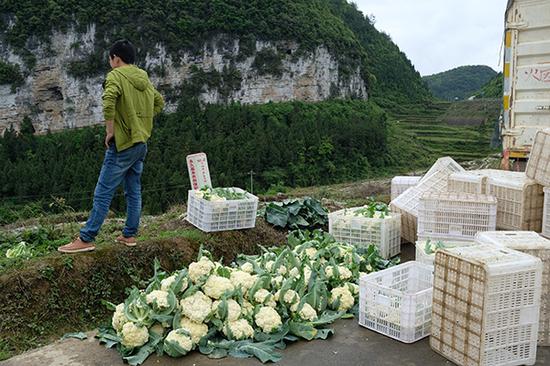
[285, 293]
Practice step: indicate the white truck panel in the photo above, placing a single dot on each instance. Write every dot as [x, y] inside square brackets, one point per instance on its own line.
[527, 72]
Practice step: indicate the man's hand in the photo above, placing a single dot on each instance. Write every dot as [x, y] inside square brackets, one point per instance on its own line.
[108, 138]
[110, 133]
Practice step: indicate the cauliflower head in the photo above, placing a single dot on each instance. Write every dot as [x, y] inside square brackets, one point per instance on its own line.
[216, 286]
[310, 252]
[345, 273]
[243, 279]
[294, 273]
[277, 281]
[262, 296]
[119, 318]
[196, 330]
[239, 329]
[159, 297]
[201, 268]
[291, 297]
[167, 283]
[134, 336]
[247, 267]
[268, 319]
[345, 296]
[233, 309]
[177, 343]
[307, 313]
[196, 307]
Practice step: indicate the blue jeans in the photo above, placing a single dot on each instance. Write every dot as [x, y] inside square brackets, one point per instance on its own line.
[118, 167]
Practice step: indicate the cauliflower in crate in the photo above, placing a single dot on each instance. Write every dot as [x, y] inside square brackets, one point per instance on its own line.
[370, 224]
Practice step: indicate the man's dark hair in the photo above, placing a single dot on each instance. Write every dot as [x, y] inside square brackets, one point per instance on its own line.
[123, 49]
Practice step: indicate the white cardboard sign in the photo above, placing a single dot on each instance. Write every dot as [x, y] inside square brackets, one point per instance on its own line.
[199, 174]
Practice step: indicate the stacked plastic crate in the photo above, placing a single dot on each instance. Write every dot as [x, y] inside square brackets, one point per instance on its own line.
[486, 302]
[538, 169]
[467, 182]
[384, 231]
[455, 216]
[210, 216]
[531, 243]
[400, 184]
[520, 199]
[406, 204]
[546, 213]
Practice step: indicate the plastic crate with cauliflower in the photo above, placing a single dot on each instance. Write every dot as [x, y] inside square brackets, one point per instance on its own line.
[210, 216]
[360, 231]
[425, 249]
[486, 302]
[397, 301]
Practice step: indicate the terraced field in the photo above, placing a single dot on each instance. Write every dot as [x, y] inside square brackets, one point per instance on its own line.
[462, 130]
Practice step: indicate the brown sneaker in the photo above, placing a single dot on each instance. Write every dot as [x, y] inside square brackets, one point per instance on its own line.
[129, 242]
[76, 246]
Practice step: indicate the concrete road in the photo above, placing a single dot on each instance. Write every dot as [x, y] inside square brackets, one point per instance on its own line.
[350, 345]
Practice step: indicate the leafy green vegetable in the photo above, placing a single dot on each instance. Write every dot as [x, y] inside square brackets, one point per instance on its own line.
[297, 214]
[372, 208]
[430, 248]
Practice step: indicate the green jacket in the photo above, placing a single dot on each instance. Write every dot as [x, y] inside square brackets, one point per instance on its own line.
[131, 101]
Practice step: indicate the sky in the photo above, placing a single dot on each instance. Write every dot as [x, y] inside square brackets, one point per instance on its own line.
[438, 35]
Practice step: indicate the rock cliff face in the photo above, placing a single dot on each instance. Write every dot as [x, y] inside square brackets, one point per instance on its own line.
[219, 73]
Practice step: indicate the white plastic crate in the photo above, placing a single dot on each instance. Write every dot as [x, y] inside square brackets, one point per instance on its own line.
[538, 166]
[445, 165]
[407, 202]
[428, 259]
[546, 213]
[400, 184]
[362, 231]
[210, 216]
[455, 216]
[520, 201]
[531, 243]
[486, 302]
[467, 182]
[408, 224]
[397, 301]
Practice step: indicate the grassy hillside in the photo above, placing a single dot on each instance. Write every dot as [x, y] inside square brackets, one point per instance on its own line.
[492, 89]
[459, 83]
[461, 130]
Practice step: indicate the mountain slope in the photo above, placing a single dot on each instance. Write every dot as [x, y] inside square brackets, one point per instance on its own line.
[459, 83]
[492, 89]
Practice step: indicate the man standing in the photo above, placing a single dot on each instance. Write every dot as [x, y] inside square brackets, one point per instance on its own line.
[129, 103]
